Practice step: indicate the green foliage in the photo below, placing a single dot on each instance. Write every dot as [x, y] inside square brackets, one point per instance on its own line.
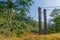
[55, 21]
[20, 23]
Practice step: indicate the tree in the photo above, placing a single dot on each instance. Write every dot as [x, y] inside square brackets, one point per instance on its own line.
[18, 6]
[56, 19]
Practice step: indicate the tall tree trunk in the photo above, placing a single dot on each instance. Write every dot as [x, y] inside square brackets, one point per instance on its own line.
[9, 24]
[40, 20]
[45, 22]
[9, 17]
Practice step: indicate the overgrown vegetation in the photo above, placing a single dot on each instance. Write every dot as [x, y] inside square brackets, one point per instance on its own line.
[13, 17]
[14, 20]
[33, 37]
[54, 26]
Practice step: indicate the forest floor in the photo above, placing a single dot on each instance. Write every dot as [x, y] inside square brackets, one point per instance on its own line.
[33, 37]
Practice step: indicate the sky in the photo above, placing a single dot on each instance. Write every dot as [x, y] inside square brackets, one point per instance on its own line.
[43, 3]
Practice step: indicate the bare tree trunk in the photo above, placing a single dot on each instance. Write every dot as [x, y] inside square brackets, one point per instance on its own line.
[9, 17]
[9, 21]
[40, 20]
[45, 22]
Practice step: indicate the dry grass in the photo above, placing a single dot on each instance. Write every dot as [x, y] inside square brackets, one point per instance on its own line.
[33, 37]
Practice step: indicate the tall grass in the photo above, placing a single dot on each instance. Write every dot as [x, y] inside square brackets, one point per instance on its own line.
[33, 37]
